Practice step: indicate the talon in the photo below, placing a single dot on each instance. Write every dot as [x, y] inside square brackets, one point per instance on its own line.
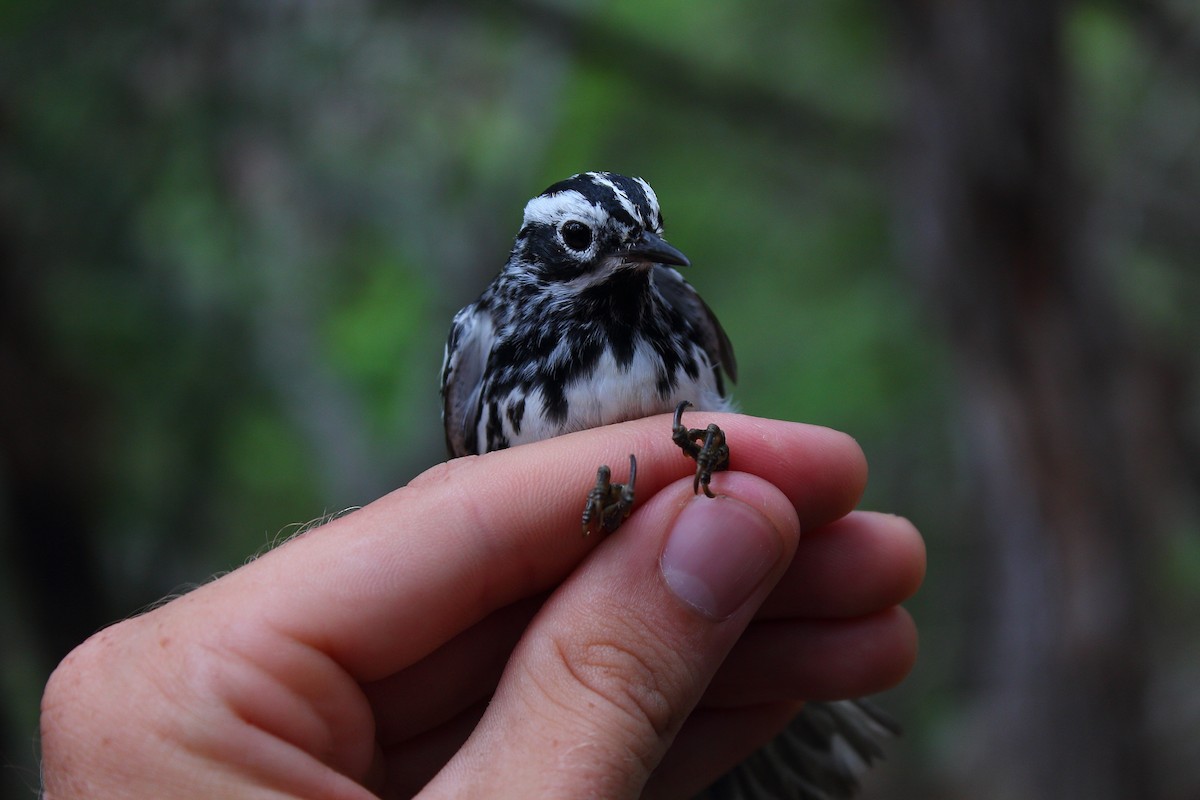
[714, 456]
[626, 501]
[608, 503]
[678, 425]
[594, 506]
[683, 437]
[711, 456]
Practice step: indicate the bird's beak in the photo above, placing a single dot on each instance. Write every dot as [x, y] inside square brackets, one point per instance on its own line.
[653, 248]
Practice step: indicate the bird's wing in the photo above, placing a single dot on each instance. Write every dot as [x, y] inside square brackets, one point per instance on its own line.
[684, 299]
[462, 375]
[821, 755]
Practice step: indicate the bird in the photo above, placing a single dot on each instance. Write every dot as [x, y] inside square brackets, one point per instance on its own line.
[588, 323]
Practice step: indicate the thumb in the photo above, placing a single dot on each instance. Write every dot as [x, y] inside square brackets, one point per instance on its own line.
[618, 657]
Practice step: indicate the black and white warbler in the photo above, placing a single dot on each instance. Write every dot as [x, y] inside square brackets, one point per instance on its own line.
[588, 324]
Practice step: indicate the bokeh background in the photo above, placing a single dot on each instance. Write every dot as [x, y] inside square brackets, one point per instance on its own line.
[233, 233]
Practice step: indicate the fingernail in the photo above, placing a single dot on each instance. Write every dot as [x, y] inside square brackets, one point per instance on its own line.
[718, 552]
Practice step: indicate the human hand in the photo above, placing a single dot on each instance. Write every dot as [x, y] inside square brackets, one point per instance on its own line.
[459, 635]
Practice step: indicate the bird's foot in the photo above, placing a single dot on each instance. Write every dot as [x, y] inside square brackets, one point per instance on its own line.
[707, 447]
[608, 503]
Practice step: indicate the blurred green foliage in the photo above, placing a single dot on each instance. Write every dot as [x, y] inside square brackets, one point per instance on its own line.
[240, 230]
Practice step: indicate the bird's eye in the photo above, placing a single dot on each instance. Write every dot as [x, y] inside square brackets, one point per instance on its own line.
[576, 235]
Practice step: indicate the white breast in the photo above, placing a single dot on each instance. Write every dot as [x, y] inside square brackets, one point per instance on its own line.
[615, 394]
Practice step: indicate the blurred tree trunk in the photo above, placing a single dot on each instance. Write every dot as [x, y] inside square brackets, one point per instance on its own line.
[1052, 391]
[50, 590]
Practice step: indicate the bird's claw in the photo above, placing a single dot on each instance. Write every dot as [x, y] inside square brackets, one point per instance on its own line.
[608, 503]
[711, 456]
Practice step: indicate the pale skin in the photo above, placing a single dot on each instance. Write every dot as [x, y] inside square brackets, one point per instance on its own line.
[359, 659]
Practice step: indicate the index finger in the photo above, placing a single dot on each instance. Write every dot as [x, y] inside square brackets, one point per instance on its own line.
[476, 534]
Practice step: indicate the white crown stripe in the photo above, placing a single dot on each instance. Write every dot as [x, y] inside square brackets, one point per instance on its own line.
[556, 208]
[553, 210]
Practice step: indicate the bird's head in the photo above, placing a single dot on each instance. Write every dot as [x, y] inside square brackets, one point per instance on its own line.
[592, 225]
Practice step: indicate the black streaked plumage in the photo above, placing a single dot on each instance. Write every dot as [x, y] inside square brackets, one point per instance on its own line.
[586, 325]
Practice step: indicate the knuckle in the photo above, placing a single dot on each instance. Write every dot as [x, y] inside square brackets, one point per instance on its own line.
[446, 473]
[450, 477]
[629, 675]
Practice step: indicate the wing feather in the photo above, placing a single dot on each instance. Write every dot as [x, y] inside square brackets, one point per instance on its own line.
[684, 299]
[822, 755]
[463, 367]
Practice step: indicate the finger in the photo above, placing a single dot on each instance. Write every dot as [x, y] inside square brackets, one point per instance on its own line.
[465, 671]
[411, 765]
[620, 654]
[823, 472]
[860, 564]
[816, 660]
[856, 566]
[711, 743]
[476, 534]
